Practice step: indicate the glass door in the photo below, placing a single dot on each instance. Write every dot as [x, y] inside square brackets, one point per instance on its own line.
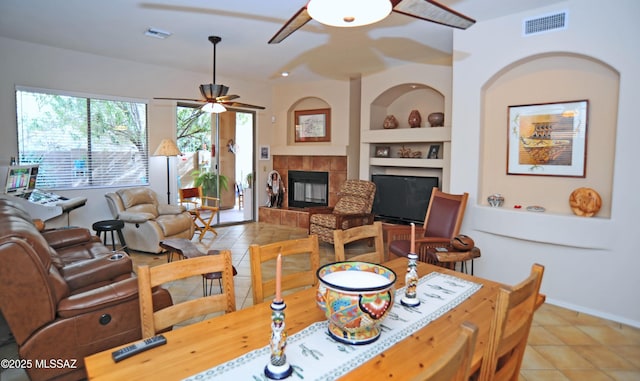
[218, 153]
[236, 142]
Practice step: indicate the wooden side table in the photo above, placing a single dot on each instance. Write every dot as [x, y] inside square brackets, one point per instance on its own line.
[449, 259]
[187, 249]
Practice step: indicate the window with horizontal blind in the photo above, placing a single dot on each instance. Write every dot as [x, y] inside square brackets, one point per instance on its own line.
[82, 142]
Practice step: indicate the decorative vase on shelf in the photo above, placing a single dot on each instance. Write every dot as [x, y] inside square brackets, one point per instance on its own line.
[436, 119]
[390, 122]
[415, 119]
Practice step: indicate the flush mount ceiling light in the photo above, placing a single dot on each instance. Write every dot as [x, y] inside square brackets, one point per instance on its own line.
[345, 13]
[348, 13]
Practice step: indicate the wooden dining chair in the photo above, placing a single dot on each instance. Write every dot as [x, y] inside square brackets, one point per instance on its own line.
[360, 233]
[203, 209]
[509, 329]
[150, 277]
[303, 251]
[454, 362]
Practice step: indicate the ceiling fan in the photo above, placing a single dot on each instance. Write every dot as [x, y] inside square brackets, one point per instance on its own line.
[215, 95]
[427, 10]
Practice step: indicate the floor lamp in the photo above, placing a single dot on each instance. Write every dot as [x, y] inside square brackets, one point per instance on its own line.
[167, 148]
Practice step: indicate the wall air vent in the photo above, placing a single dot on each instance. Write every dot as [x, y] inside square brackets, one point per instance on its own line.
[543, 24]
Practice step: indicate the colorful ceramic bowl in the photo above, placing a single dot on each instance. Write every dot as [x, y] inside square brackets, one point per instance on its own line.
[356, 297]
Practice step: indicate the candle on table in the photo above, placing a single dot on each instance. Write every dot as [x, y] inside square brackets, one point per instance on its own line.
[279, 278]
[413, 238]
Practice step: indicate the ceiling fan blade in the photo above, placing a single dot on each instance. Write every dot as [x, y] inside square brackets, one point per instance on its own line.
[226, 98]
[296, 22]
[242, 105]
[430, 10]
[181, 99]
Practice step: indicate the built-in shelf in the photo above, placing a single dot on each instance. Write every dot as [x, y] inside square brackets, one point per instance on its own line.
[406, 162]
[407, 135]
[400, 101]
[544, 227]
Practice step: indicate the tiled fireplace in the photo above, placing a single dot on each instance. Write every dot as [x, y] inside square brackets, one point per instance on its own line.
[334, 166]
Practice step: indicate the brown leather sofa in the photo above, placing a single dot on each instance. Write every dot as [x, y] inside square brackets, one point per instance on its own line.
[146, 221]
[64, 295]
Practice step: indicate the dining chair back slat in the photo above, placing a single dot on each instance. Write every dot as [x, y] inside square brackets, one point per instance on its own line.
[359, 233]
[150, 277]
[454, 362]
[296, 249]
[510, 328]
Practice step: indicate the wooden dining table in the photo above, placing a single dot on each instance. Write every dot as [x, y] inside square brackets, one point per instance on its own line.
[200, 346]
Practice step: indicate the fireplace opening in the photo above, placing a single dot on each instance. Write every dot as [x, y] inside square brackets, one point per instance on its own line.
[308, 189]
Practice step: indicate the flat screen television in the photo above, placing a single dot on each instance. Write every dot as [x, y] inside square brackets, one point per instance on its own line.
[402, 199]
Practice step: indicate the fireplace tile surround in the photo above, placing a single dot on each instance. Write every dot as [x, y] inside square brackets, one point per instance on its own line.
[336, 166]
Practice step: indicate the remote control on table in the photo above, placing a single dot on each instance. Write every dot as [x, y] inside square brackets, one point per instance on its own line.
[137, 347]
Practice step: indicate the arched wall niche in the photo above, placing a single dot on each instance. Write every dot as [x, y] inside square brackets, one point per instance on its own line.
[548, 78]
[399, 100]
[308, 103]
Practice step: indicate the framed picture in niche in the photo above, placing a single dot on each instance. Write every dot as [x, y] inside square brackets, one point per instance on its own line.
[313, 125]
[548, 139]
[433, 151]
[383, 151]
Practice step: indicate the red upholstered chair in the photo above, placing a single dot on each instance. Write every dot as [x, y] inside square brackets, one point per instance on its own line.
[352, 209]
[441, 223]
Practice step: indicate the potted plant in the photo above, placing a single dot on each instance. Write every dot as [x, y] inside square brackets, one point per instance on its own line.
[209, 182]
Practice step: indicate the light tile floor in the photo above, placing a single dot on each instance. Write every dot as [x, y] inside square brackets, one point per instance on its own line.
[563, 344]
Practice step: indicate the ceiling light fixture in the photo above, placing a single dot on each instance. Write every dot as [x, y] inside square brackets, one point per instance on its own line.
[284, 74]
[348, 13]
[214, 107]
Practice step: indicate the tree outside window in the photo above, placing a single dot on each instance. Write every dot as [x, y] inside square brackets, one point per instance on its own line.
[82, 142]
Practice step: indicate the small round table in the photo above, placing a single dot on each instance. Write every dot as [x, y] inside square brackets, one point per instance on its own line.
[107, 226]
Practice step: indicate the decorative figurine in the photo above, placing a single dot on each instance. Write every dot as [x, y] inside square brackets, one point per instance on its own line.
[278, 367]
[390, 122]
[275, 190]
[415, 119]
[410, 298]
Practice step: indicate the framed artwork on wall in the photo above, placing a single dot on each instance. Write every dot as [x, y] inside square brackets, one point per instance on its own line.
[548, 139]
[313, 125]
[265, 153]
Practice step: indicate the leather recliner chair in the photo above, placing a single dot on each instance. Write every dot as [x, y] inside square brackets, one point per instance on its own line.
[64, 295]
[146, 222]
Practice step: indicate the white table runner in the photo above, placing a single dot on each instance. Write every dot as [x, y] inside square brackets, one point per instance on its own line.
[314, 355]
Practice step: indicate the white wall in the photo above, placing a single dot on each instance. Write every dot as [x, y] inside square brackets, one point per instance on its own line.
[591, 264]
[39, 66]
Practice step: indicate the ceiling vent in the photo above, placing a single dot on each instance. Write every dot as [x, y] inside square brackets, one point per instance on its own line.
[543, 24]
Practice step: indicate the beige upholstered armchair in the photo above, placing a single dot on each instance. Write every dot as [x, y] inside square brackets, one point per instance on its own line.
[146, 222]
[352, 209]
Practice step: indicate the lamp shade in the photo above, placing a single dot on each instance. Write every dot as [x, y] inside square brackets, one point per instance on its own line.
[213, 107]
[167, 147]
[348, 13]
